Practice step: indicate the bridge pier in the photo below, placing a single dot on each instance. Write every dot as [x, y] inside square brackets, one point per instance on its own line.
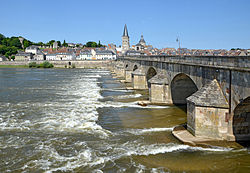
[160, 92]
[128, 75]
[207, 113]
[119, 70]
[139, 79]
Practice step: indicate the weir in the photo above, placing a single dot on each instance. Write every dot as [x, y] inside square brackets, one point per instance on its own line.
[215, 89]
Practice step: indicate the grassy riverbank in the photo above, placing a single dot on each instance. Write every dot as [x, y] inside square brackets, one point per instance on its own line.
[14, 66]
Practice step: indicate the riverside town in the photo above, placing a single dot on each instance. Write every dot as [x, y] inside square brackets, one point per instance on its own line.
[135, 86]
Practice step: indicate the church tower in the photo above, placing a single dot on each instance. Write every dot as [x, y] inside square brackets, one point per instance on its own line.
[125, 40]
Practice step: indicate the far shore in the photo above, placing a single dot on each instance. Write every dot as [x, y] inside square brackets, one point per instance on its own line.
[14, 66]
[59, 64]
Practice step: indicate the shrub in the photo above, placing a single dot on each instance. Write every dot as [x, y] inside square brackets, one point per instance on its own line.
[32, 65]
[45, 64]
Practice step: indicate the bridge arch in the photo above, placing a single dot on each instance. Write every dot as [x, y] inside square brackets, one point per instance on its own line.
[151, 72]
[182, 86]
[135, 67]
[241, 121]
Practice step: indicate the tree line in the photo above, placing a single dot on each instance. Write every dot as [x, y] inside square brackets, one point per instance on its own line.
[10, 45]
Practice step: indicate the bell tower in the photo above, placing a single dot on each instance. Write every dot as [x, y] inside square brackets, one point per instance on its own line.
[125, 40]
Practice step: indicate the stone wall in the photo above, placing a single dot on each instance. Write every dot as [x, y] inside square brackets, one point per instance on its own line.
[62, 64]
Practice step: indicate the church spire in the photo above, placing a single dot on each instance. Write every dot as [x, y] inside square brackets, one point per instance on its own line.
[125, 32]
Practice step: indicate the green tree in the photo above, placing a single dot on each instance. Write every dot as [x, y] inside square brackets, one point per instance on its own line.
[59, 43]
[14, 41]
[64, 44]
[51, 42]
[26, 43]
[91, 44]
[99, 44]
[13, 57]
[1, 38]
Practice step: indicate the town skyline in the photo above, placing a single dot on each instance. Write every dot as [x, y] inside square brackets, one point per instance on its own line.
[200, 25]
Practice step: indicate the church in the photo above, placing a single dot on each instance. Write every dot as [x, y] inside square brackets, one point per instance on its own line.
[137, 49]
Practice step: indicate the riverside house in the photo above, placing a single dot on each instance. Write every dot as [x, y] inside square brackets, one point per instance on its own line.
[23, 56]
[3, 58]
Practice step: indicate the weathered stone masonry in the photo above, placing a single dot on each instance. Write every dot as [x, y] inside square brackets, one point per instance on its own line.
[178, 80]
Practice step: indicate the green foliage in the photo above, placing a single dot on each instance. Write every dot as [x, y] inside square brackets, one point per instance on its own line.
[45, 64]
[40, 44]
[59, 43]
[7, 51]
[73, 66]
[32, 65]
[13, 57]
[64, 44]
[99, 44]
[26, 43]
[91, 44]
[51, 42]
[1, 38]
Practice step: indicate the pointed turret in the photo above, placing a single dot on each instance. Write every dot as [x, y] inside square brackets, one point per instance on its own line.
[125, 32]
[125, 40]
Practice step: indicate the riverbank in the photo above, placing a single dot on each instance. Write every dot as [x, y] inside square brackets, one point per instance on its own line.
[14, 66]
[105, 64]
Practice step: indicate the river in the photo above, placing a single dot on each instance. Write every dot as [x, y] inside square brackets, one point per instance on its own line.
[84, 120]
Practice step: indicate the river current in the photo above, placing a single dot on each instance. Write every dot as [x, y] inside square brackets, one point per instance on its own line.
[84, 120]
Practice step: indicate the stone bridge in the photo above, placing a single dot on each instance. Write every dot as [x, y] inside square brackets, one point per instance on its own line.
[216, 90]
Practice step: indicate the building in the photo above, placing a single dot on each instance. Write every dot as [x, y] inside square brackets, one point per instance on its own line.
[40, 56]
[141, 45]
[85, 55]
[105, 55]
[52, 57]
[65, 56]
[3, 58]
[23, 56]
[125, 40]
[32, 49]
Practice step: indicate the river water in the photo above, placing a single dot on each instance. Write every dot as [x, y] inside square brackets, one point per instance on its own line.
[84, 120]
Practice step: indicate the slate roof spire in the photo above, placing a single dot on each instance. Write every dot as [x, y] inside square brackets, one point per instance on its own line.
[125, 32]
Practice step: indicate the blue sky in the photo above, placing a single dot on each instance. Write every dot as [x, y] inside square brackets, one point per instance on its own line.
[210, 24]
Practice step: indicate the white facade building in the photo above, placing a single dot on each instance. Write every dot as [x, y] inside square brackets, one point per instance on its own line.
[32, 49]
[66, 56]
[52, 57]
[85, 55]
[105, 55]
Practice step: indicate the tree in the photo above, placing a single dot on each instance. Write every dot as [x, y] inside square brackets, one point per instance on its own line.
[13, 57]
[59, 44]
[14, 41]
[99, 44]
[91, 44]
[51, 42]
[64, 44]
[1, 38]
[26, 43]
